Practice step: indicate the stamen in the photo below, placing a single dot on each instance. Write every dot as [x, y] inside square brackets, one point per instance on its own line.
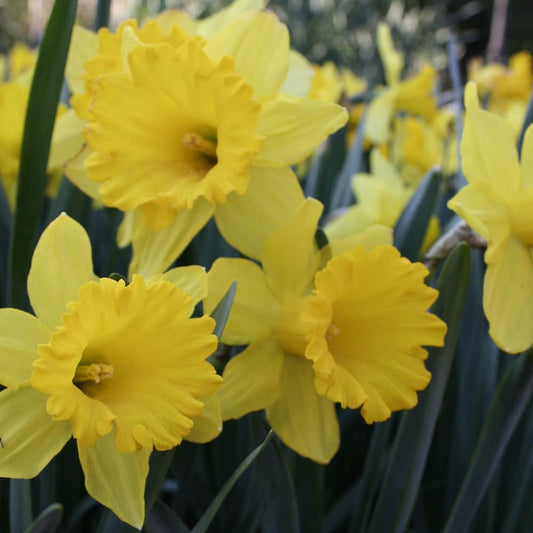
[196, 142]
[332, 331]
[93, 372]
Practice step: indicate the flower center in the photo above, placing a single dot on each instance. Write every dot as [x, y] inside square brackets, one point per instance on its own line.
[93, 372]
[197, 143]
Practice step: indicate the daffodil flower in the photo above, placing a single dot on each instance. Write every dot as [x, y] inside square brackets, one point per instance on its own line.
[348, 331]
[498, 204]
[381, 197]
[413, 95]
[119, 367]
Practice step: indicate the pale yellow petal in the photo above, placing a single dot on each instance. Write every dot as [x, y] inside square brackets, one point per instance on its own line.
[115, 479]
[172, 17]
[305, 421]
[192, 279]
[369, 238]
[392, 59]
[211, 25]
[83, 45]
[294, 128]
[259, 44]
[155, 251]
[252, 379]
[291, 257]
[508, 297]
[61, 264]
[76, 172]
[299, 77]
[481, 208]
[349, 222]
[379, 116]
[208, 425]
[67, 139]
[20, 333]
[254, 308]
[488, 148]
[30, 438]
[272, 198]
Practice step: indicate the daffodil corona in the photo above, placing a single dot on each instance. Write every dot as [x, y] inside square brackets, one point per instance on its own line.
[349, 331]
[119, 367]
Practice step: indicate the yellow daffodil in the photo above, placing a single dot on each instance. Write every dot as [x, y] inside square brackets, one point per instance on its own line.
[13, 102]
[181, 128]
[119, 367]
[498, 204]
[327, 83]
[18, 64]
[414, 95]
[355, 340]
[381, 198]
[506, 88]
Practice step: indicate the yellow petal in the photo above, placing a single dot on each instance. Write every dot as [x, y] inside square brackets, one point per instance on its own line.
[208, 425]
[155, 251]
[30, 438]
[272, 198]
[379, 116]
[192, 279]
[507, 297]
[76, 172]
[482, 209]
[392, 59]
[115, 479]
[83, 45]
[488, 148]
[299, 77]
[259, 44]
[61, 264]
[294, 128]
[305, 421]
[369, 238]
[252, 379]
[169, 18]
[211, 25]
[20, 333]
[291, 257]
[67, 139]
[254, 309]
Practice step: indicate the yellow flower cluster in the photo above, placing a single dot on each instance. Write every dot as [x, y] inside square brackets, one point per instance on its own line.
[179, 121]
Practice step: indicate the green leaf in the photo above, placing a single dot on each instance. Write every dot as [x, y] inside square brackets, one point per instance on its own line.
[103, 10]
[528, 119]
[205, 521]
[511, 400]
[410, 228]
[48, 521]
[221, 311]
[402, 480]
[342, 195]
[163, 519]
[159, 465]
[20, 515]
[39, 124]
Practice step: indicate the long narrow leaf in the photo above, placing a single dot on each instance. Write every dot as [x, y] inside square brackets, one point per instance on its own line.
[48, 521]
[203, 524]
[40, 117]
[410, 228]
[402, 480]
[512, 397]
[221, 311]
